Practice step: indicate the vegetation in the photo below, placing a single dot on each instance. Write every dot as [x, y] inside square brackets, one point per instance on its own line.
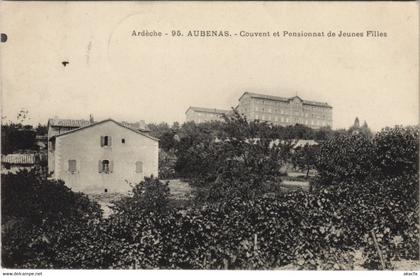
[364, 198]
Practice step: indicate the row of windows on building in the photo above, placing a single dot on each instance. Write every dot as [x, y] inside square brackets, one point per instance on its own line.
[287, 111]
[287, 120]
[104, 166]
[300, 114]
[286, 105]
[208, 114]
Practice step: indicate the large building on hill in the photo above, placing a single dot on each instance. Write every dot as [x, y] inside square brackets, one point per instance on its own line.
[202, 114]
[97, 157]
[272, 109]
[285, 111]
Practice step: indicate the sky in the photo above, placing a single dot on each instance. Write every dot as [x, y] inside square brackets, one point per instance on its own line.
[112, 74]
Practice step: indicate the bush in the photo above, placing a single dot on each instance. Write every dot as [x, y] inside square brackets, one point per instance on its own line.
[40, 220]
[239, 225]
[397, 151]
[344, 158]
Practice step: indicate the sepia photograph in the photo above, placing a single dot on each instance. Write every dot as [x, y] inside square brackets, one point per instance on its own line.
[275, 136]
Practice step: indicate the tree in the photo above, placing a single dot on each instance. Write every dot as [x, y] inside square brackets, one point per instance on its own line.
[305, 158]
[343, 158]
[242, 163]
[397, 150]
[43, 222]
[16, 137]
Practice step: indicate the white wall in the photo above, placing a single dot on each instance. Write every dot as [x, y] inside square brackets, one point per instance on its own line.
[84, 147]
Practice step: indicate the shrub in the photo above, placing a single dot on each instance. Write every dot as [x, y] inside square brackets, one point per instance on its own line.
[344, 158]
[397, 150]
[40, 220]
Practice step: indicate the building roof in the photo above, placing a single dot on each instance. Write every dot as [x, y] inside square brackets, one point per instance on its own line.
[208, 110]
[107, 120]
[140, 125]
[262, 96]
[68, 123]
[283, 99]
[18, 158]
[302, 143]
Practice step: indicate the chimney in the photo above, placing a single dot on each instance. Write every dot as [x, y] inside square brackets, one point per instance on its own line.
[91, 119]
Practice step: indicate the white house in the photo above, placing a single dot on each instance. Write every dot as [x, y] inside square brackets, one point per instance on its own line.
[105, 156]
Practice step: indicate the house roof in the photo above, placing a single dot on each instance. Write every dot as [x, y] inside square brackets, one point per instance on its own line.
[68, 123]
[18, 158]
[283, 99]
[104, 121]
[208, 110]
[140, 125]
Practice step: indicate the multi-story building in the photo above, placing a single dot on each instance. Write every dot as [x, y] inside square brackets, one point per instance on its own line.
[201, 114]
[285, 111]
[105, 156]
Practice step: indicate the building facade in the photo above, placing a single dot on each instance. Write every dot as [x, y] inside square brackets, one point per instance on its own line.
[99, 157]
[201, 114]
[285, 111]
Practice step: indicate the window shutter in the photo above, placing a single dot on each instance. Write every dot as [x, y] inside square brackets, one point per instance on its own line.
[109, 141]
[100, 166]
[111, 166]
[139, 167]
[72, 166]
[102, 141]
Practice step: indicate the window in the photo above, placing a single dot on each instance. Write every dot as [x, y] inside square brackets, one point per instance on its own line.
[106, 190]
[72, 166]
[139, 167]
[105, 166]
[123, 140]
[106, 141]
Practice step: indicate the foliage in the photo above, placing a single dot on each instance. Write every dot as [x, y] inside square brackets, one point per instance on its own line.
[345, 158]
[238, 164]
[304, 158]
[165, 134]
[397, 150]
[167, 161]
[17, 137]
[361, 194]
[42, 221]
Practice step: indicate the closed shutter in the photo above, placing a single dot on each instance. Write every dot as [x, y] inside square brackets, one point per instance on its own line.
[111, 166]
[139, 167]
[99, 166]
[102, 141]
[72, 166]
[109, 141]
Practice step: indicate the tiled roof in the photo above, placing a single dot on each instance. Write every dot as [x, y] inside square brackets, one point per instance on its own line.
[316, 103]
[68, 123]
[302, 143]
[140, 125]
[283, 99]
[18, 158]
[268, 97]
[107, 120]
[208, 110]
